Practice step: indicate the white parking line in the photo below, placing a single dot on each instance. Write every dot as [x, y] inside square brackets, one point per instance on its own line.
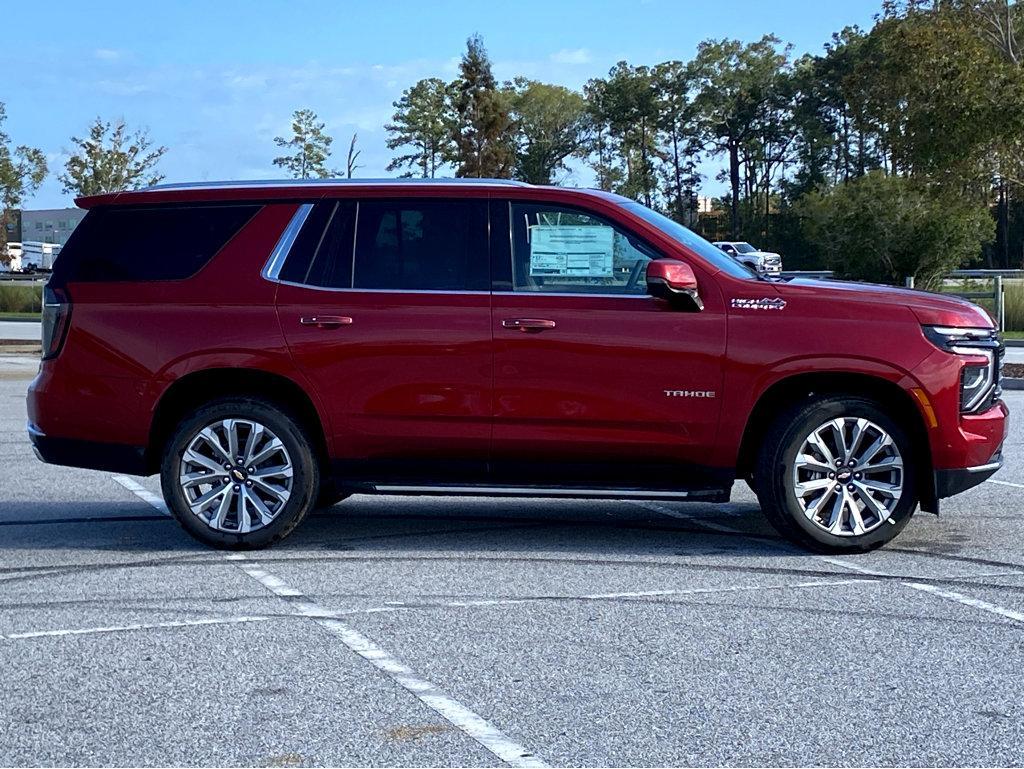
[1006, 483]
[485, 602]
[974, 603]
[123, 628]
[462, 717]
[142, 493]
[966, 600]
[664, 510]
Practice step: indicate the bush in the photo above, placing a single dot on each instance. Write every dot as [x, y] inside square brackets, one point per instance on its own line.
[20, 298]
[884, 228]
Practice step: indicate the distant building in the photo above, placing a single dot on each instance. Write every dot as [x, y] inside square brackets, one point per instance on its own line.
[52, 225]
[705, 204]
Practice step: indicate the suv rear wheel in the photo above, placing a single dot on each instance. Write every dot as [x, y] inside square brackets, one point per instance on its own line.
[239, 473]
[837, 475]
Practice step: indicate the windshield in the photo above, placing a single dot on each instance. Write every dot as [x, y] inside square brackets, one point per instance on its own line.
[691, 240]
[744, 248]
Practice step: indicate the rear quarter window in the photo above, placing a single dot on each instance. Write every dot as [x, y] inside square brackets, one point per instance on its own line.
[146, 244]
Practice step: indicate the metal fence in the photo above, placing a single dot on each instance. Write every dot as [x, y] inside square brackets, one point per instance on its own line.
[996, 294]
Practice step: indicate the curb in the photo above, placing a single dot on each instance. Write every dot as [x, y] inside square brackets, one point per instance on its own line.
[1014, 342]
[1012, 383]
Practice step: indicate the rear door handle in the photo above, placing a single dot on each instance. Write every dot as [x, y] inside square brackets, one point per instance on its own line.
[326, 321]
[528, 324]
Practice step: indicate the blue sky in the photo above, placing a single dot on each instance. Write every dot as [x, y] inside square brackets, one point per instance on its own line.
[216, 81]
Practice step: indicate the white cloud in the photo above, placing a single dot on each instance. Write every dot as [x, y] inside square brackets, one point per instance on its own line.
[571, 56]
[107, 54]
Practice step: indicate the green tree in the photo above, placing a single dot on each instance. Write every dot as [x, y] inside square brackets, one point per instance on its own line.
[422, 124]
[740, 100]
[883, 228]
[111, 158]
[677, 122]
[22, 170]
[308, 148]
[483, 131]
[550, 123]
[629, 109]
[599, 147]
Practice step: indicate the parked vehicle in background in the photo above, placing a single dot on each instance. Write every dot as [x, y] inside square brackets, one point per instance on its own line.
[765, 262]
[309, 340]
[38, 257]
[12, 260]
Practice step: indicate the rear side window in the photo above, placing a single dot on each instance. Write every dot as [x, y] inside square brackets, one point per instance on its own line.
[422, 245]
[322, 253]
[144, 244]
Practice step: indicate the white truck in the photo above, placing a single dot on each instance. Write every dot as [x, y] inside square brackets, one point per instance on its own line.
[38, 257]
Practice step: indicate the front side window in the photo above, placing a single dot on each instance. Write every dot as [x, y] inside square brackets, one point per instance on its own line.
[565, 250]
[690, 240]
[422, 245]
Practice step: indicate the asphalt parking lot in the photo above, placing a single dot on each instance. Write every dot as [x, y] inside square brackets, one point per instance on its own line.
[417, 631]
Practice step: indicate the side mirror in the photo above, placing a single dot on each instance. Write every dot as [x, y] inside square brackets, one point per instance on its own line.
[674, 282]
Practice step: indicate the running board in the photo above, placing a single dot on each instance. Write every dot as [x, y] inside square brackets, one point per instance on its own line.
[692, 495]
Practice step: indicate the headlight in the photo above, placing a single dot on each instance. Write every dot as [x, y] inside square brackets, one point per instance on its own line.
[979, 382]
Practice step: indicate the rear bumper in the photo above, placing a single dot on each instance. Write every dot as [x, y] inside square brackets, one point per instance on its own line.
[92, 455]
[950, 482]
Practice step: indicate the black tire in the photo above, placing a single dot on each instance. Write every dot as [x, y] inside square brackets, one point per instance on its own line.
[776, 459]
[305, 477]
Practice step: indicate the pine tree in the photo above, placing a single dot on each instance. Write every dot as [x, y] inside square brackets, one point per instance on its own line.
[309, 147]
[483, 129]
[423, 122]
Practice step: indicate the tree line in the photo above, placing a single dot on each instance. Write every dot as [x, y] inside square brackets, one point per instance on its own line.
[895, 151]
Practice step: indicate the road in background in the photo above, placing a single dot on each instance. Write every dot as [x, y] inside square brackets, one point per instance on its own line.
[21, 330]
[577, 633]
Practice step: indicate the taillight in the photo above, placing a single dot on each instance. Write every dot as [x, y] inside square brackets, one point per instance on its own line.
[56, 318]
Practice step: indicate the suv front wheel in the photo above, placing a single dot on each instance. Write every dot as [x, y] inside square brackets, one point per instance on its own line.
[239, 473]
[837, 475]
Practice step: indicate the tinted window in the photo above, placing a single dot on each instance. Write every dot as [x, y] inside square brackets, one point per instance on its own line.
[422, 245]
[565, 250]
[322, 253]
[138, 244]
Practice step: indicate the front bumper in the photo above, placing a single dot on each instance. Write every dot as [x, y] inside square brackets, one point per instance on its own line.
[92, 455]
[951, 482]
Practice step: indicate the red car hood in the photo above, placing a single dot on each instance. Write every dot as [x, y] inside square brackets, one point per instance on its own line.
[930, 308]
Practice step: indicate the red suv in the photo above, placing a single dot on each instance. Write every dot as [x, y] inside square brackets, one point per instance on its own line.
[268, 347]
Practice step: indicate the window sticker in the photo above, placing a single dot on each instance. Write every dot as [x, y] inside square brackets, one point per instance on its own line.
[571, 251]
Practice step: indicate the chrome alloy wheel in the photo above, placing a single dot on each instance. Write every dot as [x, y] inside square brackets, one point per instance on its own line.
[848, 476]
[236, 475]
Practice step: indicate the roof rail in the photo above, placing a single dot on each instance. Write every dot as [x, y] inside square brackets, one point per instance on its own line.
[228, 184]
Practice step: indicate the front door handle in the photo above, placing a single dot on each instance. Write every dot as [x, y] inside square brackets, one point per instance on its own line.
[326, 321]
[528, 324]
